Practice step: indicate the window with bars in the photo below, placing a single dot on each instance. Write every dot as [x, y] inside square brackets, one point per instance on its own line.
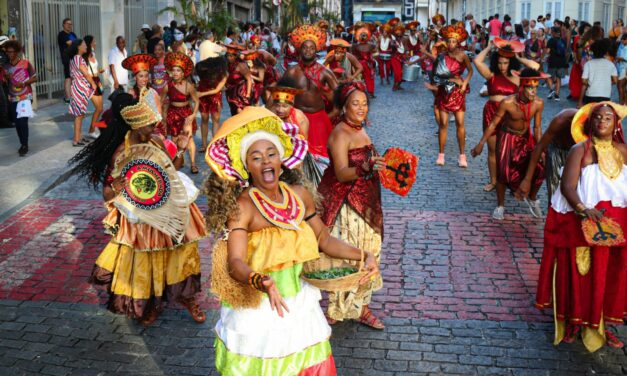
[583, 13]
[607, 23]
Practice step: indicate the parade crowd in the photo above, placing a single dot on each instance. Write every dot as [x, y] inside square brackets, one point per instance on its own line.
[294, 177]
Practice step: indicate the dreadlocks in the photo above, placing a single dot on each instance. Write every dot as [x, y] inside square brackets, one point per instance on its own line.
[91, 163]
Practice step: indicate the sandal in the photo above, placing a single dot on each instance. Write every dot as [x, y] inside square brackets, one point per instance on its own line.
[612, 340]
[194, 309]
[368, 319]
[202, 149]
[571, 333]
[78, 144]
[489, 187]
[149, 317]
[194, 169]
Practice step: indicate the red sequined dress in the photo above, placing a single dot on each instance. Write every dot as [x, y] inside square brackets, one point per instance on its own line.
[453, 100]
[236, 90]
[497, 85]
[209, 104]
[175, 118]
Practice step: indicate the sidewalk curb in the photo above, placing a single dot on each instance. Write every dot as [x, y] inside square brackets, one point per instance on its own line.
[48, 184]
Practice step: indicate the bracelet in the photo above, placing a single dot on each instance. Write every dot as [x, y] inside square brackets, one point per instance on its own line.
[256, 280]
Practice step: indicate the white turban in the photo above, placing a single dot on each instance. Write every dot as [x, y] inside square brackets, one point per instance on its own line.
[253, 137]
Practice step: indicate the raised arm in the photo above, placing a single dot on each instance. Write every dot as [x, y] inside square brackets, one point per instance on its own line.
[482, 67]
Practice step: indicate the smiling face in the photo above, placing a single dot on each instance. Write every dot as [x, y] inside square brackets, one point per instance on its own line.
[263, 162]
[356, 107]
[142, 78]
[159, 51]
[602, 121]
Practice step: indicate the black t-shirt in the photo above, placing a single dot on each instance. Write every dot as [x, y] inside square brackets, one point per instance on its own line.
[62, 39]
[152, 42]
[557, 54]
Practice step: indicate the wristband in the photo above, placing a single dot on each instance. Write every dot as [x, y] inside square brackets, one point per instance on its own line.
[256, 280]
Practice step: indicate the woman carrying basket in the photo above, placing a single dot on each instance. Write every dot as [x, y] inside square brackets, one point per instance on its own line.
[272, 230]
[351, 191]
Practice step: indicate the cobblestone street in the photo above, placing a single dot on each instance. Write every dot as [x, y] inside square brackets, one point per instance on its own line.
[458, 287]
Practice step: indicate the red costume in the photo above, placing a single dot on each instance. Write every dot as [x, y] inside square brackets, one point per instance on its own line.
[453, 100]
[398, 58]
[362, 195]
[368, 66]
[513, 151]
[291, 56]
[497, 85]
[576, 82]
[176, 116]
[385, 66]
[236, 90]
[209, 104]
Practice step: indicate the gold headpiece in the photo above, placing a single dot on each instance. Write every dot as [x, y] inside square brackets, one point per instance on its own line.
[144, 113]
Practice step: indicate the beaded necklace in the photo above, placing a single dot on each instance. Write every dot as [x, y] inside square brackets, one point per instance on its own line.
[287, 214]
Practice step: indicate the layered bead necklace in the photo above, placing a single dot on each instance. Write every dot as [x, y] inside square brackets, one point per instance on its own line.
[609, 158]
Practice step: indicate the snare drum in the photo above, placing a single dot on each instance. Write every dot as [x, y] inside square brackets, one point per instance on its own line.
[413, 60]
[384, 56]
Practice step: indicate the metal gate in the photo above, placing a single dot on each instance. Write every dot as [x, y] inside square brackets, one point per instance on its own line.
[45, 18]
[137, 13]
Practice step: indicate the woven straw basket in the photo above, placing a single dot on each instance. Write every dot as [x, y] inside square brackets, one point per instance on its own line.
[326, 262]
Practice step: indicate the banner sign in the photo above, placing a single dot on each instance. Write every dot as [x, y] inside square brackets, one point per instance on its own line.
[409, 10]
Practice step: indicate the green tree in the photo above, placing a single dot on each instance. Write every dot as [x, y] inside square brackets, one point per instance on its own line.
[208, 15]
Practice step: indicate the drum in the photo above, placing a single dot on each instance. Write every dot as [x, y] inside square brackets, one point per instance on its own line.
[411, 72]
[413, 60]
[384, 56]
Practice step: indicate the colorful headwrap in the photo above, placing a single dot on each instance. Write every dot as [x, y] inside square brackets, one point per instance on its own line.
[578, 126]
[438, 18]
[177, 59]
[225, 155]
[284, 94]
[400, 28]
[309, 32]
[530, 80]
[145, 112]
[454, 32]
[349, 89]
[139, 62]
[508, 48]
[250, 55]
[339, 43]
[386, 27]
[255, 39]
[413, 25]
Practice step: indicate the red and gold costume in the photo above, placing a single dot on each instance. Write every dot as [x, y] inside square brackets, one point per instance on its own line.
[449, 96]
[414, 42]
[584, 283]
[398, 54]
[291, 55]
[354, 208]
[365, 57]
[385, 48]
[175, 117]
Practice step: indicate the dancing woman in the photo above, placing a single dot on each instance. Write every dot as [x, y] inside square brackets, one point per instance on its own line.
[213, 75]
[452, 89]
[271, 322]
[142, 267]
[351, 194]
[501, 83]
[239, 84]
[180, 117]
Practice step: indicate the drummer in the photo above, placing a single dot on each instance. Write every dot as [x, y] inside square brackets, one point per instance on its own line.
[339, 58]
[384, 44]
[414, 40]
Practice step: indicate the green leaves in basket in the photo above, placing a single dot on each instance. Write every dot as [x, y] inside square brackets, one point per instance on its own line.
[332, 273]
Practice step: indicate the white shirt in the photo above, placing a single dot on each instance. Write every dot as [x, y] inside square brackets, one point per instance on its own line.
[599, 73]
[115, 58]
[209, 49]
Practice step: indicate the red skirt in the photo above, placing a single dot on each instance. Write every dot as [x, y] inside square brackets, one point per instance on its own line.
[209, 104]
[576, 83]
[453, 102]
[489, 110]
[320, 128]
[236, 96]
[256, 92]
[176, 120]
[582, 299]
[512, 158]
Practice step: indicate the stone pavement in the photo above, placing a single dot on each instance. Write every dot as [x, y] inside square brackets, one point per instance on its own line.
[458, 287]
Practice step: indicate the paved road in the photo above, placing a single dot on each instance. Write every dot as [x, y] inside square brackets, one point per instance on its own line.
[457, 297]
